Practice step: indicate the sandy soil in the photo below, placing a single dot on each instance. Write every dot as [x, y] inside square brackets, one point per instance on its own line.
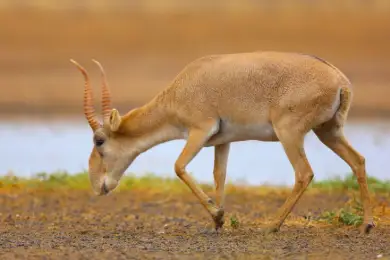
[151, 225]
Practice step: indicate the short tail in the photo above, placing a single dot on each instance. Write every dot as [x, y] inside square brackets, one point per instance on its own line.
[345, 104]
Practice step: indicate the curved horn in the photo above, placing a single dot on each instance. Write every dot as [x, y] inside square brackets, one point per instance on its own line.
[89, 111]
[106, 95]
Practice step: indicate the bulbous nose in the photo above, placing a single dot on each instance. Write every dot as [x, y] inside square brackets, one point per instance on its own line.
[108, 185]
[105, 190]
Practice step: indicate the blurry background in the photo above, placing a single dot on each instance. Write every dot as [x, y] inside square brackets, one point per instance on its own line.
[144, 44]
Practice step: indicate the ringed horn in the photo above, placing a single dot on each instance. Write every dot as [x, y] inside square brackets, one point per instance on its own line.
[89, 110]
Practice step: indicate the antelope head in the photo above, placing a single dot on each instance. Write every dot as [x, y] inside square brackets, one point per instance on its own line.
[111, 154]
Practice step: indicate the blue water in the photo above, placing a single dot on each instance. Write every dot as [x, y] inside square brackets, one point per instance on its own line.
[28, 147]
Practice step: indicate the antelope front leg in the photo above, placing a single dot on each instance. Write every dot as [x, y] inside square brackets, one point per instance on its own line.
[293, 146]
[196, 140]
[221, 154]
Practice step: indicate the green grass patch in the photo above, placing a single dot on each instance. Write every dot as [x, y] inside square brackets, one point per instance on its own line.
[350, 183]
[130, 181]
[234, 222]
[350, 215]
[48, 181]
[80, 181]
[155, 182]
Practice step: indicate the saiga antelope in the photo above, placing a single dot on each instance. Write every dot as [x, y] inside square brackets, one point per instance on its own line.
[219, 99]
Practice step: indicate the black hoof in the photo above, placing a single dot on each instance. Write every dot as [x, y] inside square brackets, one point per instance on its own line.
[271, 229]
[219, 219]
[368, 227]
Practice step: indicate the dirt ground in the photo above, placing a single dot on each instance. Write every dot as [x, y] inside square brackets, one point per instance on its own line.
[151, 225]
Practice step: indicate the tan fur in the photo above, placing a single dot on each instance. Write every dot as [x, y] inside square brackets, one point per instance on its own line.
[219, 99]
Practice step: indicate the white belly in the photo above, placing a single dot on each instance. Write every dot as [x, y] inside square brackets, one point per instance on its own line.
[233, 132]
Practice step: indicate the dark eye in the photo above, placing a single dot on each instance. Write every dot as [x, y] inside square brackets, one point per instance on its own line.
[99, 142]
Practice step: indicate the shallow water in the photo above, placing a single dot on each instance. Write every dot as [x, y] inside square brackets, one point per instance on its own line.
[28, 147]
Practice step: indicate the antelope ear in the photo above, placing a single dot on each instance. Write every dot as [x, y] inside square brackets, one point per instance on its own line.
[115, 120]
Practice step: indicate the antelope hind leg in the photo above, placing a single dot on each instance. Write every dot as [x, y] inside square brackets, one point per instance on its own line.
[292, 142]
